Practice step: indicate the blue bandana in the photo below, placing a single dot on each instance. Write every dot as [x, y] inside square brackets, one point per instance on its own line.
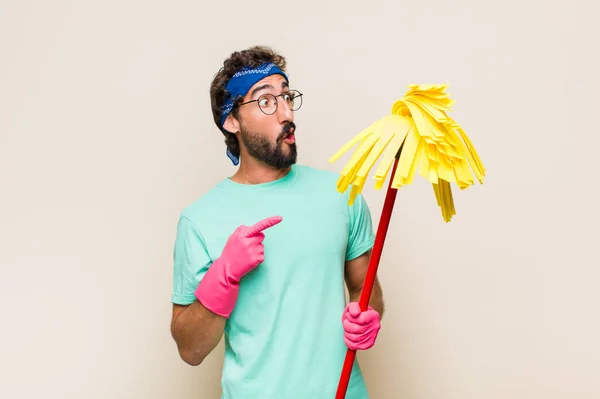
[240, 84]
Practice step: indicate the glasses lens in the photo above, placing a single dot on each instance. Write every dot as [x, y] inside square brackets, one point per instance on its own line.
[294, 100]
[267, 104]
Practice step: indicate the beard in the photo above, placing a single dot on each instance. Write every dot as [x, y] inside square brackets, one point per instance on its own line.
[272, 154]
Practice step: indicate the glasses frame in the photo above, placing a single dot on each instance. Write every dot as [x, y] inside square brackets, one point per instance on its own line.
[299, 95]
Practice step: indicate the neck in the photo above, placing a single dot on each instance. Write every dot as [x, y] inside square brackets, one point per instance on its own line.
[251, 171]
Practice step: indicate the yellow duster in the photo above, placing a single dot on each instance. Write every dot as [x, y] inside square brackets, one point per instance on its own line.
[423, 138]
[418, 136]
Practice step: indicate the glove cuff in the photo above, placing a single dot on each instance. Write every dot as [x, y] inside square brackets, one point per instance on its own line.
[216, 291]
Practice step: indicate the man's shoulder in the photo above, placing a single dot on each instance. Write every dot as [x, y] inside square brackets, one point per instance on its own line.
[317, 174]
[205, 204]
[322, 183]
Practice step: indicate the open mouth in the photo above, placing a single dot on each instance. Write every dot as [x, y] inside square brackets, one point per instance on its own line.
[290, 137]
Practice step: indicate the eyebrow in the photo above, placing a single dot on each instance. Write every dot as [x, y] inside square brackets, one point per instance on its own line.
[259, 88]
[284, 84]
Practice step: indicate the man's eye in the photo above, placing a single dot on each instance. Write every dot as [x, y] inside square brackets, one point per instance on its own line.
[263, 102]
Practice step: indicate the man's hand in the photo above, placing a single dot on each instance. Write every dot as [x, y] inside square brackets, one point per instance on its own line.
[244, 251]
[360, 328]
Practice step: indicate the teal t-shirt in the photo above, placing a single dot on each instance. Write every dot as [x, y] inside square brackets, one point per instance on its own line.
[284, 339]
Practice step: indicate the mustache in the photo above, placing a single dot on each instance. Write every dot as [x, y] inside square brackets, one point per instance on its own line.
[287, 129]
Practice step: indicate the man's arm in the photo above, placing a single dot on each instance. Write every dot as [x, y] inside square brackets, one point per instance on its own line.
[355, 272]
[196, 330]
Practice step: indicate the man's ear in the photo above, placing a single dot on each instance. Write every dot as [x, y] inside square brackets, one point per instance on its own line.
[231, 124]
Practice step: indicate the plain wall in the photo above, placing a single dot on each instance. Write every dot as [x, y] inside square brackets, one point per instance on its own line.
[106, 134]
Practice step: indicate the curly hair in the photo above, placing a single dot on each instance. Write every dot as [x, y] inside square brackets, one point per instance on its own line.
[250, 57]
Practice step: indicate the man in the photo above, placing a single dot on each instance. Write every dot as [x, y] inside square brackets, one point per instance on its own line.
[262, 258]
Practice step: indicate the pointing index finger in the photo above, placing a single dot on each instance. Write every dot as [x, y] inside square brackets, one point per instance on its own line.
[263, 224]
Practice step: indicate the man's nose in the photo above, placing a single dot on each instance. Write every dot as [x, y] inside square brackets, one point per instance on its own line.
[284, 110]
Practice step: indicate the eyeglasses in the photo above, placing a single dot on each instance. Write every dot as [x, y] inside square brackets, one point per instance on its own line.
[268, 102]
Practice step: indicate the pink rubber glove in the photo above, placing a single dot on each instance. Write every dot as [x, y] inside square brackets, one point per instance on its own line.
[360, 328]
[244, 250]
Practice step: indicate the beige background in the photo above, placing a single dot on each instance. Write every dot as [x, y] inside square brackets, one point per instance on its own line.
[106, 134]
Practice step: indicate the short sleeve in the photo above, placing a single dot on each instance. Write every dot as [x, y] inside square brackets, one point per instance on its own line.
[190, 262]
[361, 236]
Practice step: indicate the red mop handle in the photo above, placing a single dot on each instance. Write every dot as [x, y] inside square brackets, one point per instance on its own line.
[365, 296]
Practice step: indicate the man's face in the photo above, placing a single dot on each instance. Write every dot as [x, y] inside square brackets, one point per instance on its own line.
[267, 138]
